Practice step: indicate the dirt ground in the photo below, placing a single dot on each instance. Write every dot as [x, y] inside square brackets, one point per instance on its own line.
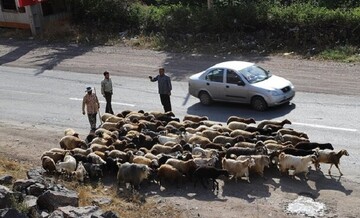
[263, 197]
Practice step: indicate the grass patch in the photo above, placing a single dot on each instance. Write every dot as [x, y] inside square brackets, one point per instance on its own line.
[341, 53]
[13, 167]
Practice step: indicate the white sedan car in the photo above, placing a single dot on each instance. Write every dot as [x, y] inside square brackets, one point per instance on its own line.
[241, 82]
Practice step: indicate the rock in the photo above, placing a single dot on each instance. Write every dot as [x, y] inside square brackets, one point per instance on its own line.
[6, 180]
[36, 189]
[72, 212]
[11, 213]
[5, 197]
[109, 214]
[30, 202]
[36, 174]
[20, 185]
[51, 200]
[101, 201]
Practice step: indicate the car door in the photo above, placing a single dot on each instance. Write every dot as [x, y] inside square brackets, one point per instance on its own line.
[214, 83]
[236, 89]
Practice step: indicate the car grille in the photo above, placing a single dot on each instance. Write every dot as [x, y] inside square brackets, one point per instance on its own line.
[286, 89]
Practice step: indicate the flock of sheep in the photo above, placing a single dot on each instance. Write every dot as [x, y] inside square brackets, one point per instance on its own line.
[138, 145]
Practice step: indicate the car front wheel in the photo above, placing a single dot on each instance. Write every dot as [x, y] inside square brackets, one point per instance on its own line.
[205, 98]
[258, 103]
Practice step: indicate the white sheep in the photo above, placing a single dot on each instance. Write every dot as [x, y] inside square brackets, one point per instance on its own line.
[238, 168]
[202, 162]
[261, 161]
[207, 153]
[68, 165]
[298, 163]
[237, 125]
[80, 173]
[96, 159]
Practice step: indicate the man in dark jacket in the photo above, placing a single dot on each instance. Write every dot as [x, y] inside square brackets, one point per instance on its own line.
[164, 85]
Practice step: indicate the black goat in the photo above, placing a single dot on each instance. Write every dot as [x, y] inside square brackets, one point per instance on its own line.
[313, 145]
[208, 172]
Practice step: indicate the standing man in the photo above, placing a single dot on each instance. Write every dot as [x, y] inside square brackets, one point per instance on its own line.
[92, 106]
[107, 91]
[164, 86]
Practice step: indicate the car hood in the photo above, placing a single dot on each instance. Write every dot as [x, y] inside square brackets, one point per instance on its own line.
[196, 76]
[274, 82]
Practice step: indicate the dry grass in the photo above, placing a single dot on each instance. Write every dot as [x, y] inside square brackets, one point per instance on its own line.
[13, 167]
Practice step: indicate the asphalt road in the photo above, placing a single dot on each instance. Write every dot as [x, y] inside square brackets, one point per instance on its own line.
[52, 99]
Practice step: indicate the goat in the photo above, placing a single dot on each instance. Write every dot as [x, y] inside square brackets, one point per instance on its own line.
[240, 119]
[209, 172]
[238, 168]
[330, 157]
[273, 122]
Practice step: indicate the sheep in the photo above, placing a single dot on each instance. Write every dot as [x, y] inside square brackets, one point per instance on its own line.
[240, 119]
[211, 134]
[48, 164]
[112, 126]
[169, 173]
[292, 132]
[273, 122]
[299, 163]
[102, 148]
[226, 139]
[262, 131]
[143, 160]
[204, 152]
[67, 166]
[237, 125]
[96, 159]
[216, 146]
[94, 171]
[201, 140]
[80, 173]
[209, 123]
[70, 131]
[186, 167]
[245, 151]
[105, 116]
[199, 161]
[238, 168]
[70, 142]
[102, 141]
[158, 149]
[245, 145]
[163, 139]
[291, 138]
[81, 151]
[330, 157]
[132, 173]
[313, 145]
[277, 146]
[261, 161]
[221, 128]
[243, 133]
[114, 119]
[116, 154]
[195, 118]
[209, 172]
[56, 156]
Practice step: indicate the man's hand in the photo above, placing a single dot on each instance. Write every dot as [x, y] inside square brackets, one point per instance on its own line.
[150, 77]
[83, 112]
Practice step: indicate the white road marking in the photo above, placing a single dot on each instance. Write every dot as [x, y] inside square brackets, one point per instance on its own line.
[118, 103]
[326, 127]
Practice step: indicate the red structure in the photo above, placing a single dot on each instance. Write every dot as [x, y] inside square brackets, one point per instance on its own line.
[23, 3]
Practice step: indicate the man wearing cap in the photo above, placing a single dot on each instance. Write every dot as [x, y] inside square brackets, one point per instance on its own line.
[107, 91]
[92, 106]
[164, 86]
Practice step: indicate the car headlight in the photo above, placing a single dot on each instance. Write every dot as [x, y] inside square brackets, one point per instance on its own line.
[275, 92]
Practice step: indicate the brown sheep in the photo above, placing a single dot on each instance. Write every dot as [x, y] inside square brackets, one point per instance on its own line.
[158, 149]
[240, 119]
[102, 148]
[195, 118]
[169, 173]
[70, 142]
[273, 122]
[48, 164]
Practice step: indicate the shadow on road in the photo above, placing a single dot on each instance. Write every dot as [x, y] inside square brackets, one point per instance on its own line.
[220, 112]
[48, 61]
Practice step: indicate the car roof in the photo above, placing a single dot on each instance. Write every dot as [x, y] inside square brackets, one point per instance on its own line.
[236, 65]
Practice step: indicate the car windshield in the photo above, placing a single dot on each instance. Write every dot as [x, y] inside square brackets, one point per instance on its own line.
[254, 74]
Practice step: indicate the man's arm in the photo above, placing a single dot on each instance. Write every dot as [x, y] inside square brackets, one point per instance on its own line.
[103, 88]
[153, 79]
